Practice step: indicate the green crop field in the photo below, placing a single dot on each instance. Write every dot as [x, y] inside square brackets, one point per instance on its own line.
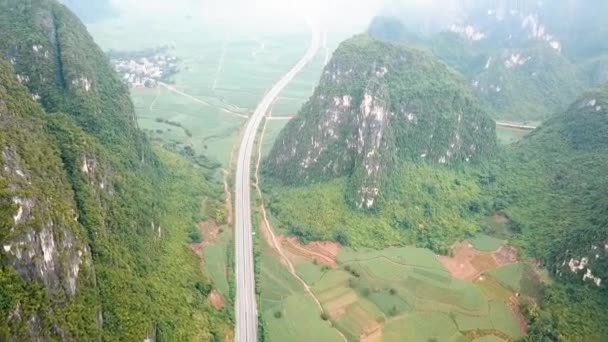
[222, 77]
[405, 294]
[423, 327]
[299, 318]
[521, 278]
[217, 262]
[310, 272]
[486, 243]
[508, 136]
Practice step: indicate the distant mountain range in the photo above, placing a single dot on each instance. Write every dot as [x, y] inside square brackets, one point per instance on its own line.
[524, 59]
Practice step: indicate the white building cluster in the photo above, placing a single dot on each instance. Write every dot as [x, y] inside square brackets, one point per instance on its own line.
[145, 71]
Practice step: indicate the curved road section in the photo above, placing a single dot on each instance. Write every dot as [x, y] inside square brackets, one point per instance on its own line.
[246, 308]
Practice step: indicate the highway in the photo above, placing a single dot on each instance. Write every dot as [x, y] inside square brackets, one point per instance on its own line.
[246, 307]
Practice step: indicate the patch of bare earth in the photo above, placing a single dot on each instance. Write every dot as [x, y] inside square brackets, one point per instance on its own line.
[374, 336]
[216, 300]
[468, 263]
[210, 231]
[322, 252]
[372, 332]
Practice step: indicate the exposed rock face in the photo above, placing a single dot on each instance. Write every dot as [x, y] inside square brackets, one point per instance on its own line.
[378, 105]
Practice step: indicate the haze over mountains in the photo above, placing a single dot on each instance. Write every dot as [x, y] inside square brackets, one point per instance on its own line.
[524, 59]
[396, 147]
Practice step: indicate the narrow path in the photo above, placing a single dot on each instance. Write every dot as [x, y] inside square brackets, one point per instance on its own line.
[155, 98]
[220, 64]
[197, 100]
[272, 238]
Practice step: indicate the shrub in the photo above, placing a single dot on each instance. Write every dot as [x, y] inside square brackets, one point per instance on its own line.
[342, 237]
[195, 236]
[202, 288]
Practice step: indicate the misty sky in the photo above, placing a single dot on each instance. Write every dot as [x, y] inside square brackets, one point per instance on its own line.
[287, 15]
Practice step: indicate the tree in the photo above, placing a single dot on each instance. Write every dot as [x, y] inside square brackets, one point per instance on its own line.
[342, 237]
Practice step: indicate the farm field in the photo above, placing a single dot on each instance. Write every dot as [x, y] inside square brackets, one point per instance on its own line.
[222, 78]
[486, 243]
[508, 136]
[216, 257]
[405, 294]
[289, 312]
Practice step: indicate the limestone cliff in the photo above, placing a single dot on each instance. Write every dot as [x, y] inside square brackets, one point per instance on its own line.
[378, 105]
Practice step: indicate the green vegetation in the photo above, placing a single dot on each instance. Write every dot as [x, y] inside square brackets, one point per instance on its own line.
[407, 294]
[566, 158]
[217, 262]
[281, 292]
[423, 327]
[221, 79]
[104, 217]
[426, 205]
[543, 82]
[347, 130]
[508, 136]
[486, 243]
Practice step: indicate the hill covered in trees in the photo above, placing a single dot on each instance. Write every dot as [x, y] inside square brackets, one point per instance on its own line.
[93, 220]
[378, 106]
[552, 186]
[525, 60]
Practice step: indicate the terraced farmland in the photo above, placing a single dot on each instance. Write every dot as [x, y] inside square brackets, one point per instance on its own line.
[406, 294]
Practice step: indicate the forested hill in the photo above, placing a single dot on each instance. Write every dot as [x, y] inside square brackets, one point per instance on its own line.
[379, 105]
[93, 224]
[525, 60]
[553, 185]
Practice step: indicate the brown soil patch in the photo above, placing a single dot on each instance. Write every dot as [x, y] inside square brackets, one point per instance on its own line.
[215, 298]
[324, 252]
[210, 231]
[469, 263]
[374, 336]
[505, 255]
